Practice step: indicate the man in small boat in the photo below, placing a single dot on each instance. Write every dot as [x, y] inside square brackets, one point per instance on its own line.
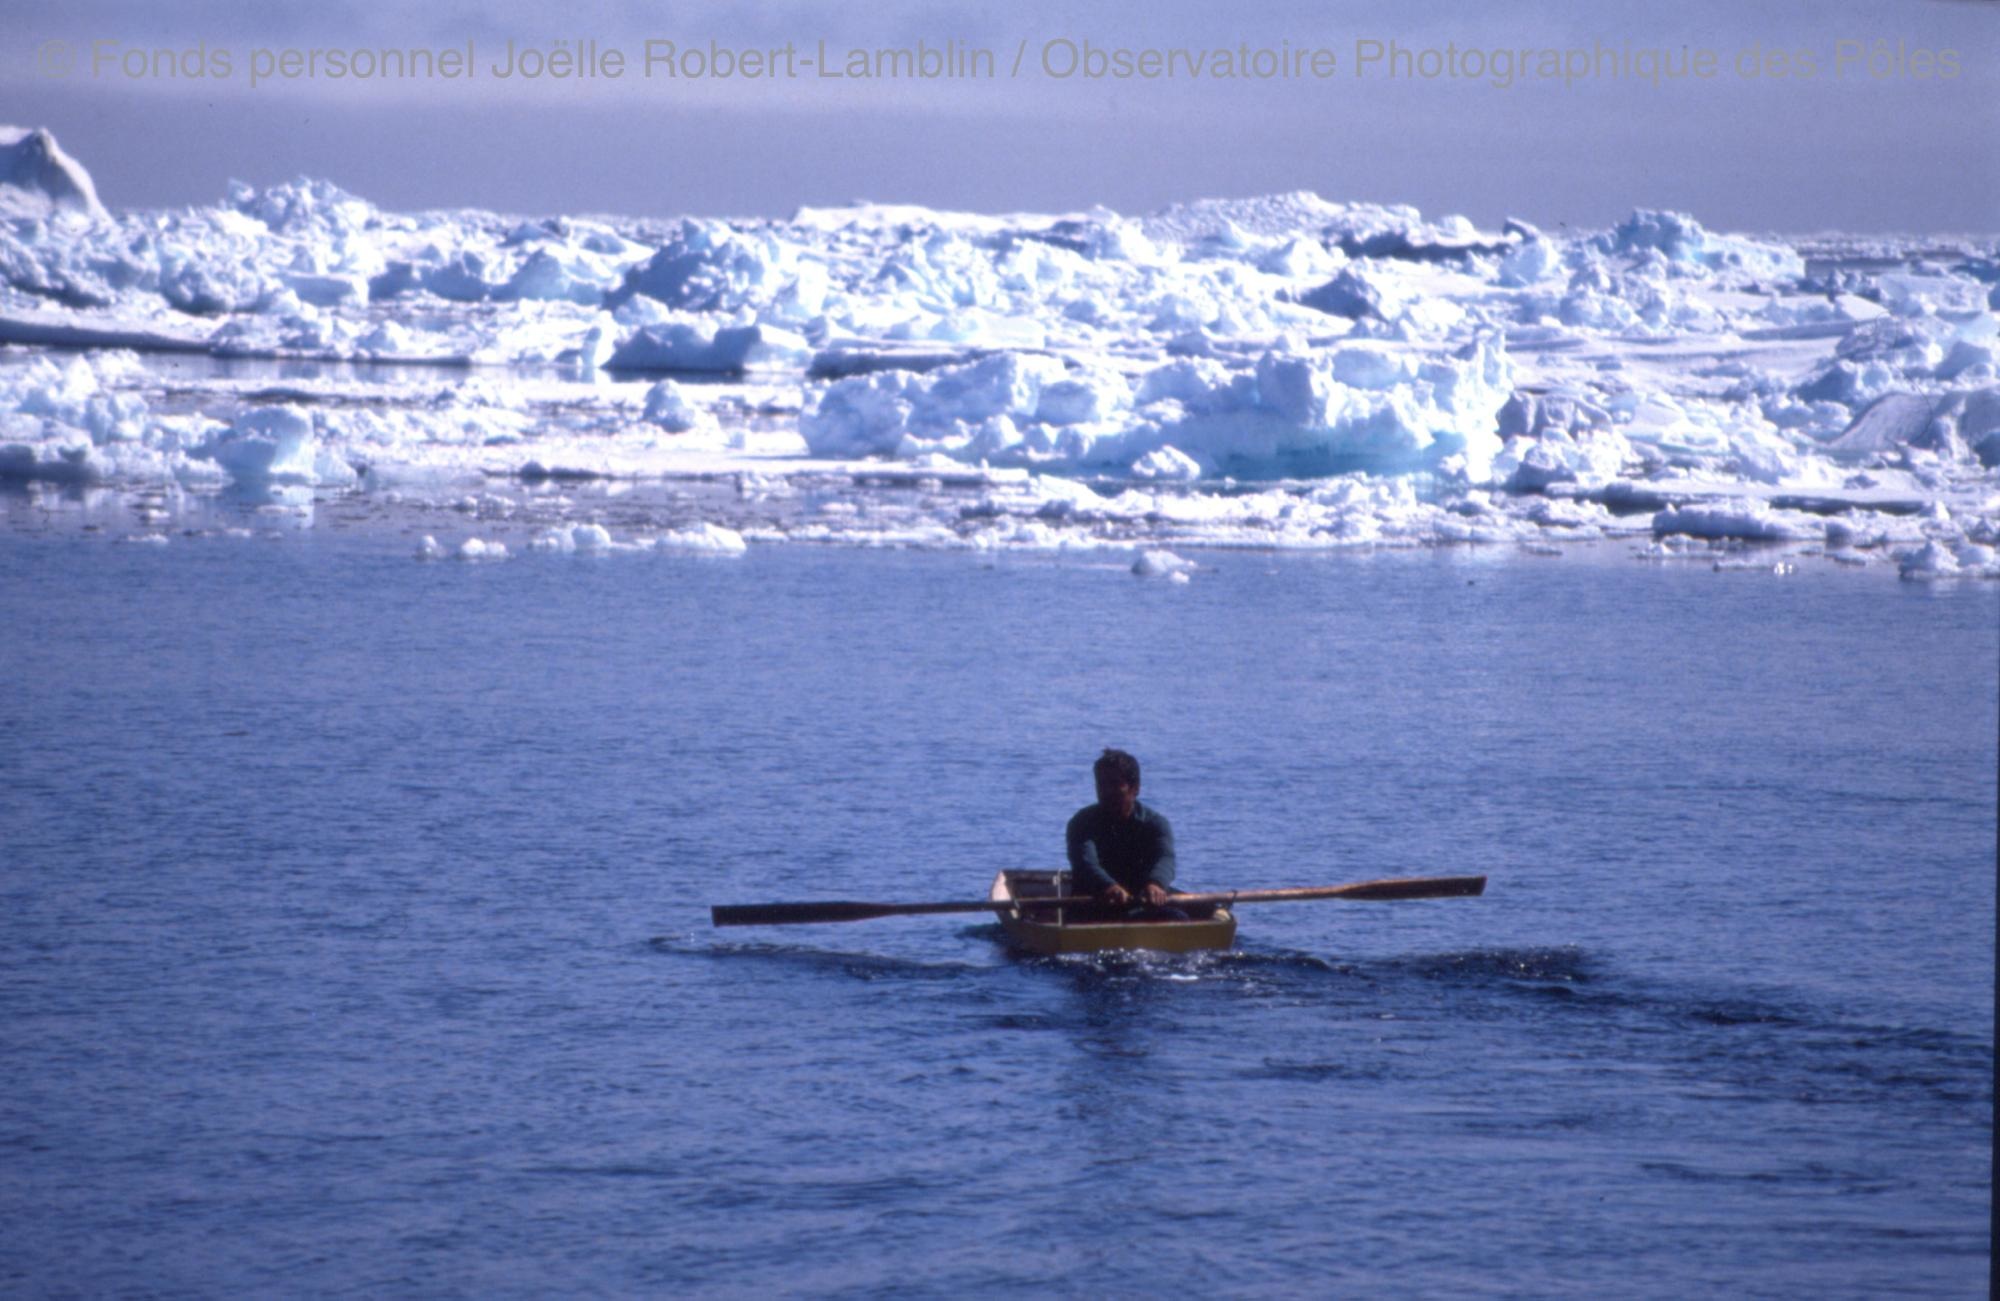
[1119, 849]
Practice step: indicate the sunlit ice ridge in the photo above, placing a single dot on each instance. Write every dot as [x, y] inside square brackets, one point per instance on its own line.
[1285, 372]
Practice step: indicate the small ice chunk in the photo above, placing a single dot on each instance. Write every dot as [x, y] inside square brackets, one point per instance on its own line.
[428, 549]
[1167, 462]
[1930, 561]
[704, 538]
[476, 549]
[590, 539]
[668, 406]
[326, 289]
[1750, 522]
[267, 445]
[710, 266]
[681, 345]
[388, 338]
[1888, 423]
[72, 464]
[1536, 259]
[559, 276]
[1082, 399]
[1977, 557]
[1162, 564]
[599, 342]
[1355, 296]
[1683, 240]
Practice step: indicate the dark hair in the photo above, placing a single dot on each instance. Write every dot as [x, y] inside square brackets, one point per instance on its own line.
[1118, 765]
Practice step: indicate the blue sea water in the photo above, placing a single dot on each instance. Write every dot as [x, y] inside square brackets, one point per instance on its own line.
[356, 936]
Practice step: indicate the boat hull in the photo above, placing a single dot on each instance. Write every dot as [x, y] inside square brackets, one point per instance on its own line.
[1217, 930]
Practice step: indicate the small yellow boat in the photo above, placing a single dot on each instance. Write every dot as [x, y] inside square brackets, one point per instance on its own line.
[1079, 930]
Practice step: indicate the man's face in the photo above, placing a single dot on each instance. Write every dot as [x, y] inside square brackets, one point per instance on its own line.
[1117, 795]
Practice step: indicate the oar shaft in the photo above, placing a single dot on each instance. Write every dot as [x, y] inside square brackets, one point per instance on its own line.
[1408, 887]
[840, 910]
[837, 910]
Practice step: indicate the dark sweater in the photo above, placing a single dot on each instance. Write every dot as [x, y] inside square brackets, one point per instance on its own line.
[1131, 851]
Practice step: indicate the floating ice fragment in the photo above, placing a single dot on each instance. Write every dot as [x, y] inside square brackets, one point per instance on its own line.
[1977, 557]
[304, 207]
[1298, 258]
[1684, 241]
[1931, 561]
[667, 406]
[266, 445]
[1889, 422]
[1354, 295]
[326, 289]
[1162, 564]
[462, 279]
[600, 341]
[705, 538]
[75, 463]
[1167, 462]
[589, 539]
[1752, 522]
[563, 275]
[1970, 359]
[1914, 294]
[1535, 260]
[701, 347]
[709, 266]
[388, 338]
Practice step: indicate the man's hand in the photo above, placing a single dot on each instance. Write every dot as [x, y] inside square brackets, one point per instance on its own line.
[1117, 896]
[1156, 894]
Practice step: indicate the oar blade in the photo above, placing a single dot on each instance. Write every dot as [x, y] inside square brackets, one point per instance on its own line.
[1418, 887]
[796, 914]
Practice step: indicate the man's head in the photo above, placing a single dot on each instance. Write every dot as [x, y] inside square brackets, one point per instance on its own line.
[1117, 775]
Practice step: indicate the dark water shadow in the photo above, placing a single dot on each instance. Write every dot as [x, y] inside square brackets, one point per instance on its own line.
[1119, 1005]
[818, 961]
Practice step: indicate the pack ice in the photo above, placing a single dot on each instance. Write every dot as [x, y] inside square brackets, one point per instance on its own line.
[1281, 372]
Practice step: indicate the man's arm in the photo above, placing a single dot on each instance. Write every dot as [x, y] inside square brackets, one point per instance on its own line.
[1164, 866]
[1086, 874]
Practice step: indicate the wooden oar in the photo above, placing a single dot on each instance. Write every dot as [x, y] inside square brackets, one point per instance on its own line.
[834, 910]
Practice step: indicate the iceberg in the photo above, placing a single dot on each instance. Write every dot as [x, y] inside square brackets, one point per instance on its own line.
[37, 179]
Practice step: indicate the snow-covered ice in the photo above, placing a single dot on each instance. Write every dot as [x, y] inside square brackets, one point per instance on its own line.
[1282, 372]
[39, 180]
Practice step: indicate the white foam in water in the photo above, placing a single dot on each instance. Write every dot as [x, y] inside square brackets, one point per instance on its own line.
[1284, 372]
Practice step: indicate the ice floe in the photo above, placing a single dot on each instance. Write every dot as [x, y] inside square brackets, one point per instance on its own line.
[1285, 372]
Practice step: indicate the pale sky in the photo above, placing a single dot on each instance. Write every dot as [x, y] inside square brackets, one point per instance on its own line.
[1887, 116]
